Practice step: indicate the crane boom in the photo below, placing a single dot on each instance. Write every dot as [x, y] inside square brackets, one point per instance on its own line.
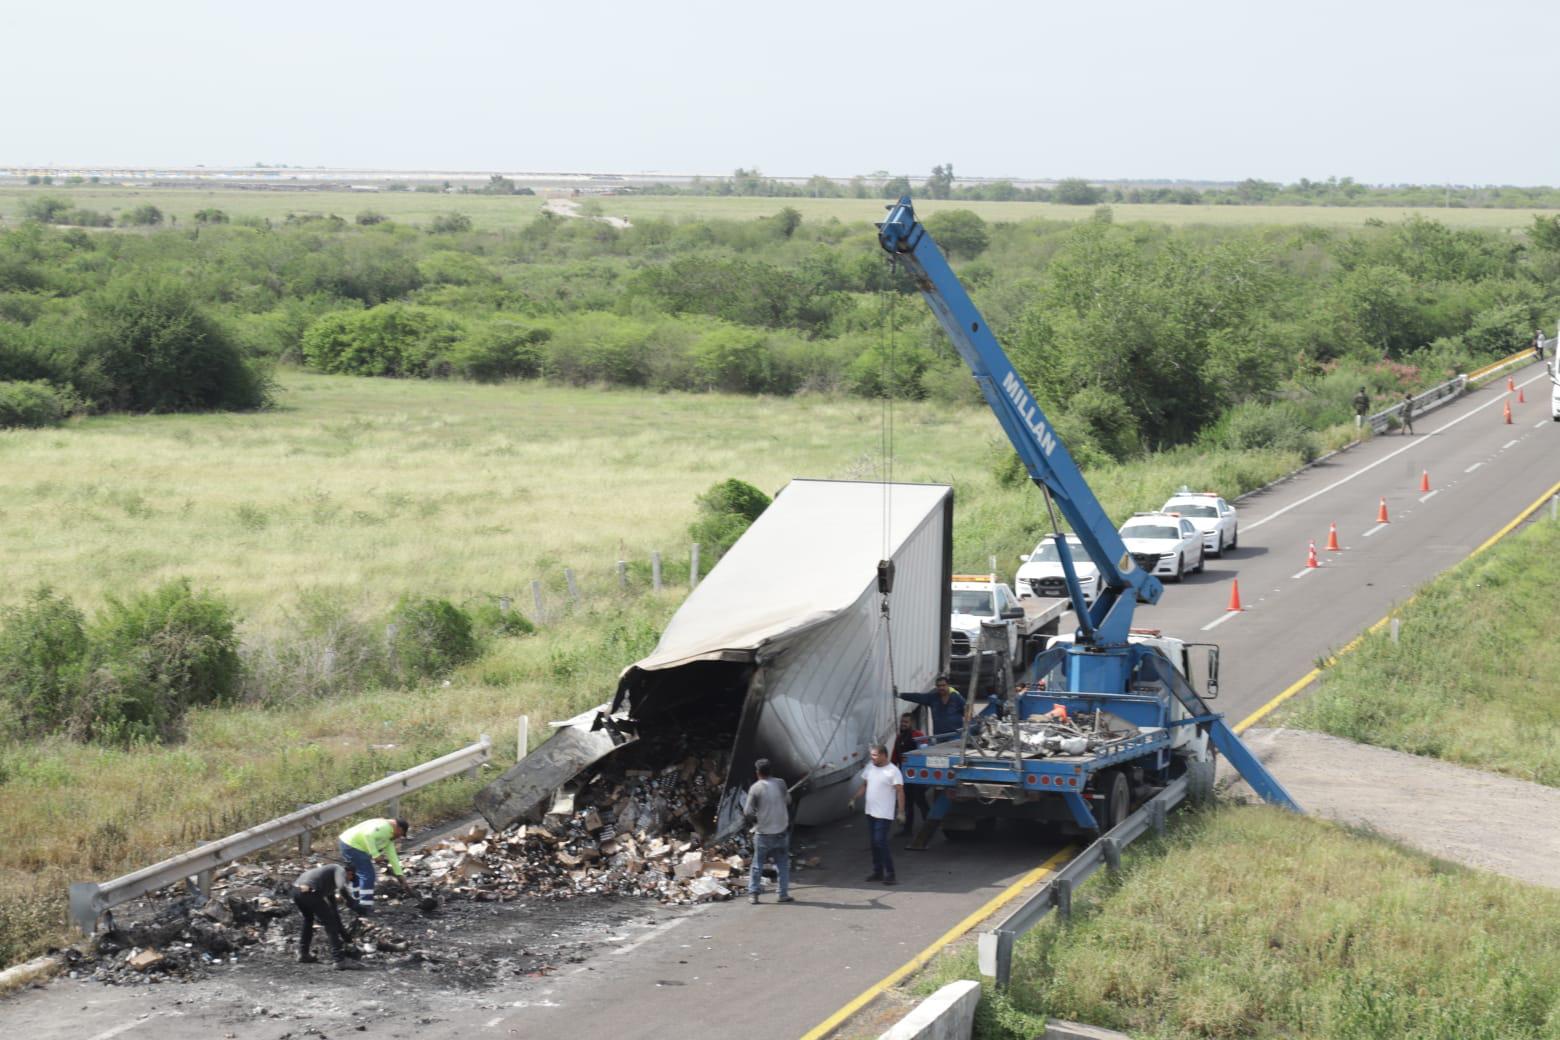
[1049, 464]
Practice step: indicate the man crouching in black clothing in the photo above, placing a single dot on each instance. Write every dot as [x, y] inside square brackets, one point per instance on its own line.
[315, 894]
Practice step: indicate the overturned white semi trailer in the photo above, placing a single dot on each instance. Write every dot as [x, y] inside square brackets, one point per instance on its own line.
[783, 649]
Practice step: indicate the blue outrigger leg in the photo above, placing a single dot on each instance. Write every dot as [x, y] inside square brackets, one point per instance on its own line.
[1225, 739]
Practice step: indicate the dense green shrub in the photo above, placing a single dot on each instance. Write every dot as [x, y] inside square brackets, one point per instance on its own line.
[449, 224]
[393, 339]
[146, 346]
[500, 350]
[152, 659]
[725, 512]
[141, 216]
[1253, 426]
[43, 643]
[431, 637]
[210, 215]
[490, 620]
[32, 404]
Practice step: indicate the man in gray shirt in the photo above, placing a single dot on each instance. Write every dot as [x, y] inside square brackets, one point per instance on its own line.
[767, 806]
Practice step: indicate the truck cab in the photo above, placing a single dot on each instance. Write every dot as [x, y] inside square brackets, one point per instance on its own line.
[981, 598]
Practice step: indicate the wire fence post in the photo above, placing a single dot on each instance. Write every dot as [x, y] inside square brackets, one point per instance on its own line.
[536, 598]
[574, 588]
[622, 571]
[522, 737]
[693, 567]
[655, 571]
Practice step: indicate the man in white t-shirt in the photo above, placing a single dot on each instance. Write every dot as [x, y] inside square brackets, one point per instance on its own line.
[885, 791]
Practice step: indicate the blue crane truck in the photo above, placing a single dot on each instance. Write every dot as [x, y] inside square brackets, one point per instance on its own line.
[1102, 719]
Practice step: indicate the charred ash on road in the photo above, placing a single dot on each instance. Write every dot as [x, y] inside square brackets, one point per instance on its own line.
[479, 907]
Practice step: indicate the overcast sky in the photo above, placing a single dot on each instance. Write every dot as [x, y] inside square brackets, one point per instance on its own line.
[1425, 92]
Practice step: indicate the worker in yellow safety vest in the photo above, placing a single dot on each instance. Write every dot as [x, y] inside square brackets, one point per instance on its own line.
[361, 845]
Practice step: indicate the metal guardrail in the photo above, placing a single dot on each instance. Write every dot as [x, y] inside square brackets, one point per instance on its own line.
[89, 902]
[1424, 401]
[995, 946]
[1521, 357]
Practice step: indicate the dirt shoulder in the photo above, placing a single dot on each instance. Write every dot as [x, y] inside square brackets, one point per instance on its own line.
[1477, 819]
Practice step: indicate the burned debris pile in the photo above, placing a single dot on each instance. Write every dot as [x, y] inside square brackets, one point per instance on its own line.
[630, 828]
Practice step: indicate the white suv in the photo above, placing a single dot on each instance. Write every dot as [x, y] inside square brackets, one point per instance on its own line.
[1041, 575]
[1164, 544]
[1211, 515]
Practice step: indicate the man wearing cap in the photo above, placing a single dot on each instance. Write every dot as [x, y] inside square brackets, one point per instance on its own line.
[361, 845]
[947, 708]
[766, 806]
[315, 893]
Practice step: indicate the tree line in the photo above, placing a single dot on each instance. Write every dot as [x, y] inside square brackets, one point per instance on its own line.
[1135, 337]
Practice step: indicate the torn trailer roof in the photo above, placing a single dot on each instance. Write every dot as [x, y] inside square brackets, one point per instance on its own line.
[783, 651]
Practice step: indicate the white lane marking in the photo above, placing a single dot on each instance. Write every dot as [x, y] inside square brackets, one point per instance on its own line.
[658, 930]
[1473, 467]
[1373, 530]
[495, 1020]
[1508, 444]
[1385, 458]
[123, 1027]
[1542, 423]
[1303, 573]
[1222, 620]
[1426, 498]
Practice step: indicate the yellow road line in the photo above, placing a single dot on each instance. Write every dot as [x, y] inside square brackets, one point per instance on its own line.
[997, 902]
[1311, 676]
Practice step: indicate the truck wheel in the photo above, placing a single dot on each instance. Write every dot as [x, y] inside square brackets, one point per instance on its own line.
[1118, 800]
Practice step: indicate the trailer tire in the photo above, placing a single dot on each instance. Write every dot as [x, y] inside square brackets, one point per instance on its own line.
[1118, 800]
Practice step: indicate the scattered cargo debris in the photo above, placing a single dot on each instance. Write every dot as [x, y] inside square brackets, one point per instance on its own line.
[621, 830]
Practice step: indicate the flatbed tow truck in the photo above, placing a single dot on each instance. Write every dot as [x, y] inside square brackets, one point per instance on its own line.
[1105, 718]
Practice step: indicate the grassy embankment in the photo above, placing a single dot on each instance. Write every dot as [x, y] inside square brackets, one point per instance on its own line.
[493, 212]
[1472, 678]
[1247, 922]
[362, 490]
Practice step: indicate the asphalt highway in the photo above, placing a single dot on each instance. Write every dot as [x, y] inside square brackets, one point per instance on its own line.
[775, 971]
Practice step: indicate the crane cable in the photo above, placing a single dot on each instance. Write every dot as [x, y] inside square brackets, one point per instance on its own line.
[886, 420]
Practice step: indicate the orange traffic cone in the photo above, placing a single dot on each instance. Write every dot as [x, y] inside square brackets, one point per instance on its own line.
[1381, 514]
[1310, 557]
[1508, 413]
[1521, 397]
[1332, 538]
[1511, 384]
[1424, 481]
[1234, 596]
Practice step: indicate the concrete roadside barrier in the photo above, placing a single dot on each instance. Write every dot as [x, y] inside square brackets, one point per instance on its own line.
[948, 1014]
[36, 970]
[1056, 1029]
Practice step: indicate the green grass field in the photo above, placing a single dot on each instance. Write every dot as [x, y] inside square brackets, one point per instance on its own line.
[1473, 649]
[490, 212]
[499, 212]
[1248, 922]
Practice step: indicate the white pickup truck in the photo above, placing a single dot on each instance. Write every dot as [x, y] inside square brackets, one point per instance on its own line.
[981, 597]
